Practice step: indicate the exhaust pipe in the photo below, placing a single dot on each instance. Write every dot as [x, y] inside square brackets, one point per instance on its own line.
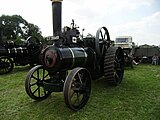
[57, 17]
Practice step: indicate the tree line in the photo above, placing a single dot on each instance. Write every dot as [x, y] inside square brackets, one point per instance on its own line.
[15, 28]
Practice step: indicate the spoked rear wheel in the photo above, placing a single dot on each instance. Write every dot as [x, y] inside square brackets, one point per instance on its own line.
[34, 83]
[77, 88]
[6, 65]
[114, 65]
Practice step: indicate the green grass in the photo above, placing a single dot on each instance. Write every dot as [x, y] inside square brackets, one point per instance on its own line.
[137, 98]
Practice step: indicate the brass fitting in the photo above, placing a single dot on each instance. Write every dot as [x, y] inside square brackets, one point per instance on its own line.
[56, 0]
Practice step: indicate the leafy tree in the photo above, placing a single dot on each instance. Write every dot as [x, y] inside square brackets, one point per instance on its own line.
[16, 28]
[33, 30]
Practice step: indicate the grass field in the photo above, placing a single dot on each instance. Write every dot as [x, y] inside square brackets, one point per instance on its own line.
[137, 98]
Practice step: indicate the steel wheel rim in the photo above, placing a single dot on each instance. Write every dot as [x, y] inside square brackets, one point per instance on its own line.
[34, 83]
[77, 89]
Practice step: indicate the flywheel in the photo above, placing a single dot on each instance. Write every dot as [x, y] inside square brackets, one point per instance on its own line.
[114, 65]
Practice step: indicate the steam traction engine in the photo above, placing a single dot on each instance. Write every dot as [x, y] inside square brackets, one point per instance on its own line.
[71, 63]
[23, 54]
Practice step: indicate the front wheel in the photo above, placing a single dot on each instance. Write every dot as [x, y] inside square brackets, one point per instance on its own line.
[77, 88]
[34, 84]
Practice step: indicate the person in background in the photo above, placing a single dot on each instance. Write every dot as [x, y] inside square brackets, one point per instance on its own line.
[155, 60]
[134, 59]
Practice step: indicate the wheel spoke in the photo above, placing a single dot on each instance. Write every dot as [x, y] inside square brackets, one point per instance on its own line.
[119, 69]
[78, 95]
[120, 60]
[102, 49]
[101, 35]
[5, 60]
[34, 78]
[33, 84]
[117, 75]
[43, 73]
[74, 80]
[116, 58]
[5, 69]
[77, 100]
[38, 74]
[36, 90]
[72, 95]
[44, 91]
[105, 35]
[46, 75]
[79, 78]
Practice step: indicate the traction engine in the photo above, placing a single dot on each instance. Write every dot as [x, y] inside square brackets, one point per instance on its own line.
[72, 62]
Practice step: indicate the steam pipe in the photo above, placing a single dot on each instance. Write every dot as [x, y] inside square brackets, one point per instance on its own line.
[57, 17]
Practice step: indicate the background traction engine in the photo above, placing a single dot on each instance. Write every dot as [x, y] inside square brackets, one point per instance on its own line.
[71, 63]
[19, 55]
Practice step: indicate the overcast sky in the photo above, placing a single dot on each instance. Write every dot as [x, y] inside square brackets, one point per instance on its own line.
[137, 18]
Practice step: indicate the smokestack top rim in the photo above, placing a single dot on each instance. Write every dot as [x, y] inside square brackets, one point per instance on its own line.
[56, 0]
